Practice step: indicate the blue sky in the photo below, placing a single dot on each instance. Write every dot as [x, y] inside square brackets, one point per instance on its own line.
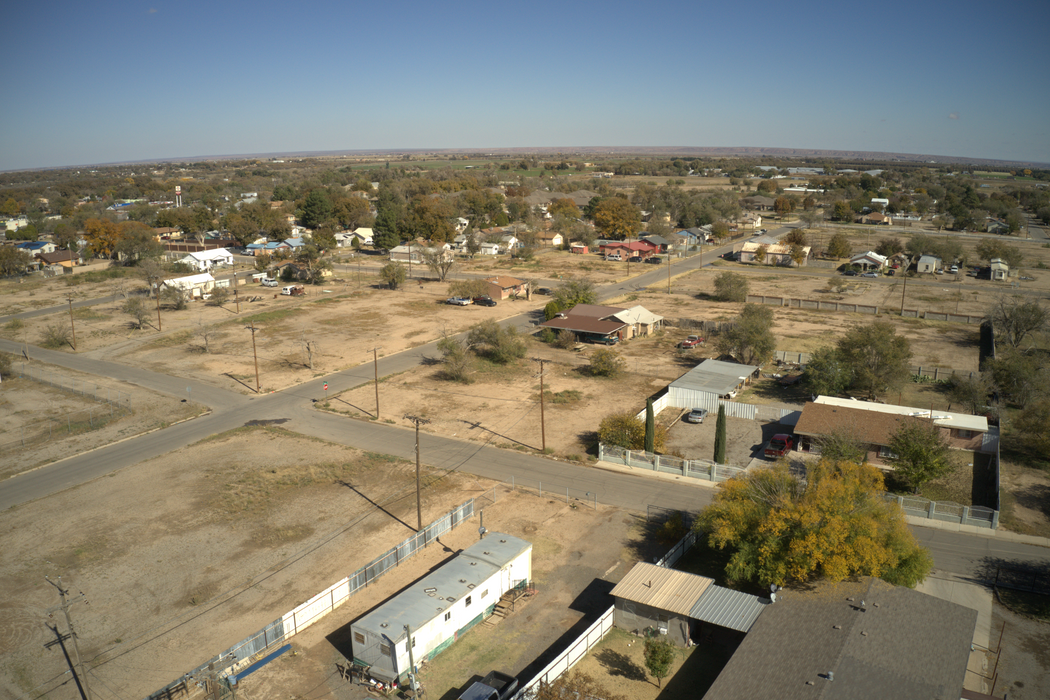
[120, 80]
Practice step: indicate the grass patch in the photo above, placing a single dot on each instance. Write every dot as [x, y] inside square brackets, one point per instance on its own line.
[569, 396]
[269, 316]
[171, 340]
[87, 313]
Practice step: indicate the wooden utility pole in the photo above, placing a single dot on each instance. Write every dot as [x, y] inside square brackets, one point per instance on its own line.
[71, 324]
[375, 362]
[419, 499]
[156, 295]
[668, 272]
[905, 291]
[85, 691]
[256, 356]
[543, 422]
[60, 639]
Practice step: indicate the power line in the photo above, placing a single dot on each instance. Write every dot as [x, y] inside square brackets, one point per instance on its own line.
[81, 679]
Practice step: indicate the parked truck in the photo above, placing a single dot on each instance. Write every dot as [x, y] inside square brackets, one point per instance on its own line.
[494, 686]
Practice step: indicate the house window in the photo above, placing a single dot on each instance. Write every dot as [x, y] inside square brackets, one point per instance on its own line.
[886, 452]
[359, 638]
[384, 649]
[485, 593]
[965, 434]
[467, 603]
[448, 616]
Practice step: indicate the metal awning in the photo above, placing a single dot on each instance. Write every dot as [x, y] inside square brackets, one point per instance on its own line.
[728, 608]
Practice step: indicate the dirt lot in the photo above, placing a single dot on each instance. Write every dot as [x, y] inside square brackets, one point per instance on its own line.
[40, 423]
[178, 564]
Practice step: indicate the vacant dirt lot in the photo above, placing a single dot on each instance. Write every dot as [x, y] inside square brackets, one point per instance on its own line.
[40, 423]
[184, 555]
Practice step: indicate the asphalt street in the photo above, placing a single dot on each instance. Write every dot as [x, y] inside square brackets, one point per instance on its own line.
[965, 555]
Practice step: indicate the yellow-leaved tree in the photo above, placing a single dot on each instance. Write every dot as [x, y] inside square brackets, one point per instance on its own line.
[834, 524]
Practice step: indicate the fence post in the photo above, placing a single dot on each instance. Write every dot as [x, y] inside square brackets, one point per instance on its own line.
[601, 452]
[566, 494]
[965, 515]
[931, 510]
[627, 458]
[995, 520]
[900, 502]
[656, 463]
[540, 488]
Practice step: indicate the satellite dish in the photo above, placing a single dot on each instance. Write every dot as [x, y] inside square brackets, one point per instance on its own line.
[482, 531]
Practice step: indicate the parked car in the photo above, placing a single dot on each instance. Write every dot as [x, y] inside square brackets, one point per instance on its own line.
[458, 301]
[494, 686]
[293, 290]
[697, 415]
[484, 301]
[614, 256]
[605, 340]
[850, 273]
[545, 291]
[870, 274]
[635, 259]
[691, 342]
[779, 446]
[954, 269]
[268, 282]
[655, 260]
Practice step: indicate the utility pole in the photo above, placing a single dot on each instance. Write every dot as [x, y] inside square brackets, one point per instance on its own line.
[60, 639]
[412, 685]
[905, 291]
[543, 426]
[419, 501]
[71, 324]
[85, 692]
[375, 362]
[668, 272]
[255, 354]
[156, 295]
[236, 298]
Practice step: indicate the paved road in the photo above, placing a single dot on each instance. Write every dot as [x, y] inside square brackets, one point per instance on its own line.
[965, 555]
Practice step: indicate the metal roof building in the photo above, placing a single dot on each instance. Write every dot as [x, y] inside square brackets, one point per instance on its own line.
[677, 602]
[440, 606]
[709, 377]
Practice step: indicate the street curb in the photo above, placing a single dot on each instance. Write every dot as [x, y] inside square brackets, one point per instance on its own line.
[109, 444]
[985, 532]
[609, 466]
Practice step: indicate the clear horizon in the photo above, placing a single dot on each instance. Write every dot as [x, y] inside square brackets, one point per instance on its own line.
[166, 81]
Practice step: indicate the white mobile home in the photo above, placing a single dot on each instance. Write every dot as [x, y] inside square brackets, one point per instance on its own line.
[440, 606]
[193, 286]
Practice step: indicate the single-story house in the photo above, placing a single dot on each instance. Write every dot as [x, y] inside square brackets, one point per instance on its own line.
[503, 287]
[267, 248]
[869, 261]
[364, 234]
[295, 243]
[642, 249]
[928, 263]
[204, 260]
[640, 321]
[709, 381]
[407, 253]
[549, 239]
[63, 258]
[440, 607]
[678, 604]
[166, 233]
[510, 242]
[994, 225]
[749, 220]
[662, 244]
[854, 639]
[489, 249]
[589, 321]
[872, 425]
[578, 249]
[775, 253]
[296, 271]
[877, 218]
[34, 247]
[192, 286]
[759, 202]
[1000, 269]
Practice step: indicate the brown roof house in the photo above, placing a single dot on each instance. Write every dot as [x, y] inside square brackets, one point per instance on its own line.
[852, 641]
[873, 425]
[63, 258]
[592, 322]
[503, 287]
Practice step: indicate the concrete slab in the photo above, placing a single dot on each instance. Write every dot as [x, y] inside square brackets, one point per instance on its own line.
[968, 595]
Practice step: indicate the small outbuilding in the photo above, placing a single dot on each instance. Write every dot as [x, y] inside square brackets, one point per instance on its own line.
[676, 604]
[999, 269]
[441, 606]
[204, 260]
[702, 386]
[928, 263]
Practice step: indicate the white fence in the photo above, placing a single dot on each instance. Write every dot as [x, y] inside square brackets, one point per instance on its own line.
[568, 658]
[703, 469]
[288, 625]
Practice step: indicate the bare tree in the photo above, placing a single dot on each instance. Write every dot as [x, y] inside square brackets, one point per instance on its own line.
[1015, 319]
[440, 262]
[309, 348]
[152, 272]
[204, 332]
[138, 309]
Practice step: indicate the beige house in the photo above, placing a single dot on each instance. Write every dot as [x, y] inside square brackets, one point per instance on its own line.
[775, 254]
[549, 239]
[503, 287]
[1000, 270]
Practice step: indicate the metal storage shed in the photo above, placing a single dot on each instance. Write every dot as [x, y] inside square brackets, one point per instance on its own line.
[701, 386]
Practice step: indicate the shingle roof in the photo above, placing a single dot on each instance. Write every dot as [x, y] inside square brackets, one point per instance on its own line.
[866, 427]
[593, 311]
[904, 645]
[504, 282]
[584, 324]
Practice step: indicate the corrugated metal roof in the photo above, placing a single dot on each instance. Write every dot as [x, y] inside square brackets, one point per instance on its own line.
[664, 589]
[727, 608]
[714, 376]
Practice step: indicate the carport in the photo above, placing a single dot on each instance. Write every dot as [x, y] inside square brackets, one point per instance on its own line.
[702, 386]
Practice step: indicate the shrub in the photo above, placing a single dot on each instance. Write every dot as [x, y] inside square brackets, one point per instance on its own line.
[566, 339]
[56, 335]
[628, 431]
[606, 363]
[730, 286]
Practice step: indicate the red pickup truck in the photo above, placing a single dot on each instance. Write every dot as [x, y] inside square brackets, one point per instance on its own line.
[779, 446]
[691, 342]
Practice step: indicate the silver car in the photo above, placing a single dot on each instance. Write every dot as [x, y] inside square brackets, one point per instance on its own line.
[697, 415]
